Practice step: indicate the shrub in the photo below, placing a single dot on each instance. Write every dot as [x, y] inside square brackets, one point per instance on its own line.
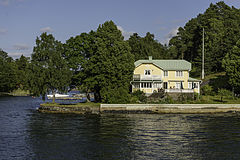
[116, 95]
[168, 99]
[207, 90]
[140, 95]
[224, 93]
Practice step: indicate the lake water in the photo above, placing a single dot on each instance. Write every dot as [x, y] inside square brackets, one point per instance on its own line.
[27, 134]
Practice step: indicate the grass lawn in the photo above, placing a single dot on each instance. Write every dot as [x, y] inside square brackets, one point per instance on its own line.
[19, 92]
[216, 100]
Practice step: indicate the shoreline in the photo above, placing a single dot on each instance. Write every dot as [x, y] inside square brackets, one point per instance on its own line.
[170, 108]
[140, 108]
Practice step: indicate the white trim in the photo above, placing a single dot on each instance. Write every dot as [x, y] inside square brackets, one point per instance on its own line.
[190, 85]
[164, 73]
[179, 74]
[147, 72]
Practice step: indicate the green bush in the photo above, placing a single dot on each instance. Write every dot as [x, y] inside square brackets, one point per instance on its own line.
[140, 95]
[168, 100]
[207, 90]
[116, 95]
[224, 93]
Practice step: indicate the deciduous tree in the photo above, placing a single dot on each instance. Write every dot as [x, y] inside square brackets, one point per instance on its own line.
[231, 63]
[48, 69]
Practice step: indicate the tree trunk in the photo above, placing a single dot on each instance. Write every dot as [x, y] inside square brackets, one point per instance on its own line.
[233, 94]
[96, 97]
[53, 100]
[88, 97]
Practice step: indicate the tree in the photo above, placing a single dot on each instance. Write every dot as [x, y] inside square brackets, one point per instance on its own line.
[21, 72]
[112, 64]
[48, 69]
[221, 24]
[224, 93]
[102, 62]
[147, 46]
[231, 63]
[7, 72]
[78, 51]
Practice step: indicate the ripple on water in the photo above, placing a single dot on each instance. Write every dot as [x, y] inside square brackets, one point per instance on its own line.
[27, 134]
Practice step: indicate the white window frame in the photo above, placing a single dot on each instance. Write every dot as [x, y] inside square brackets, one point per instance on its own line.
[178, 85]
[166, 84]
[165, 73]
[179, 73]
[190, 85]
[146, 71]
[196, 85]
[146, 85]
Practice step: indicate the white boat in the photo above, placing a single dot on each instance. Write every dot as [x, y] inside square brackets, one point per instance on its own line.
[58, 95]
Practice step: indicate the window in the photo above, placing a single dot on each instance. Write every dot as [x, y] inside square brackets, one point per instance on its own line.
[190, 86]
[157, 85]
[146, 85]
[195, 85]
[165, 85]
[178, 85]
[136, 85]
[179, 73]
[165, 73]
[147, 72]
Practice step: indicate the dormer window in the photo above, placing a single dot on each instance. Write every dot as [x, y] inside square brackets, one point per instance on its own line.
[147, 72]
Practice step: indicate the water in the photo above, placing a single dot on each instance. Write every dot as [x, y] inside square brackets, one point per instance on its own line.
[27, 134]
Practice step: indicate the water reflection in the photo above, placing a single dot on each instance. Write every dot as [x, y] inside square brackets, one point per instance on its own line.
[138, 136]
[27, 134]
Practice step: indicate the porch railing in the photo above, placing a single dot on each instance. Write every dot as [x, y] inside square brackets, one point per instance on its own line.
[138, 77]
[179, 90]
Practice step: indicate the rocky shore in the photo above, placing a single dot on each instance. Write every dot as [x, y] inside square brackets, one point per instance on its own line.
[92, 108]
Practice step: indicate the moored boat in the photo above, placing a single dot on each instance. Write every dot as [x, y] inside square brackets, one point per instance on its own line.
[57, 95]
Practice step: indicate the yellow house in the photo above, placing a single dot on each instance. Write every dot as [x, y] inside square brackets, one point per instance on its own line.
[171, 75]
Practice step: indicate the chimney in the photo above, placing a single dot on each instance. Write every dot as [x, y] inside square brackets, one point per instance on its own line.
[150, 58]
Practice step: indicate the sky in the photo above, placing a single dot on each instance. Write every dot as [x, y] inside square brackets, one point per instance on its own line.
[21, 21]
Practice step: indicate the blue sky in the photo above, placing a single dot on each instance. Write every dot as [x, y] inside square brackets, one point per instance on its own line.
[21, 21]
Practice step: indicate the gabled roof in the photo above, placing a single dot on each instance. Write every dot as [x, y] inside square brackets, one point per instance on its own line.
[167, 64]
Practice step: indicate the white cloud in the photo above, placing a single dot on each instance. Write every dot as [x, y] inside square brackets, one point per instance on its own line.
[3, 31]
[46, 29]
[16, 55]
[171, 34]
[21, 47]
[125, 34]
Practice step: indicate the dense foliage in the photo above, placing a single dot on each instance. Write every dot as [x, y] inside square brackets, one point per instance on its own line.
[102, 62]
[221, 24]
[147, 46]
[48, 71]
[231, 62]
[7, 72]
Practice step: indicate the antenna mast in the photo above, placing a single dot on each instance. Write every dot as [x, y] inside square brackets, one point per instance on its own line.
[203, 56]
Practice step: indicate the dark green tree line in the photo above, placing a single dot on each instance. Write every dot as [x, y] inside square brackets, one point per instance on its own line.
[143, 47]
[21, 72]
[7, 72]
[231, 63]
[221, 24]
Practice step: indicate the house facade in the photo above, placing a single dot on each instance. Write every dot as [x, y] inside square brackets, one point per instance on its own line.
[171, 75]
